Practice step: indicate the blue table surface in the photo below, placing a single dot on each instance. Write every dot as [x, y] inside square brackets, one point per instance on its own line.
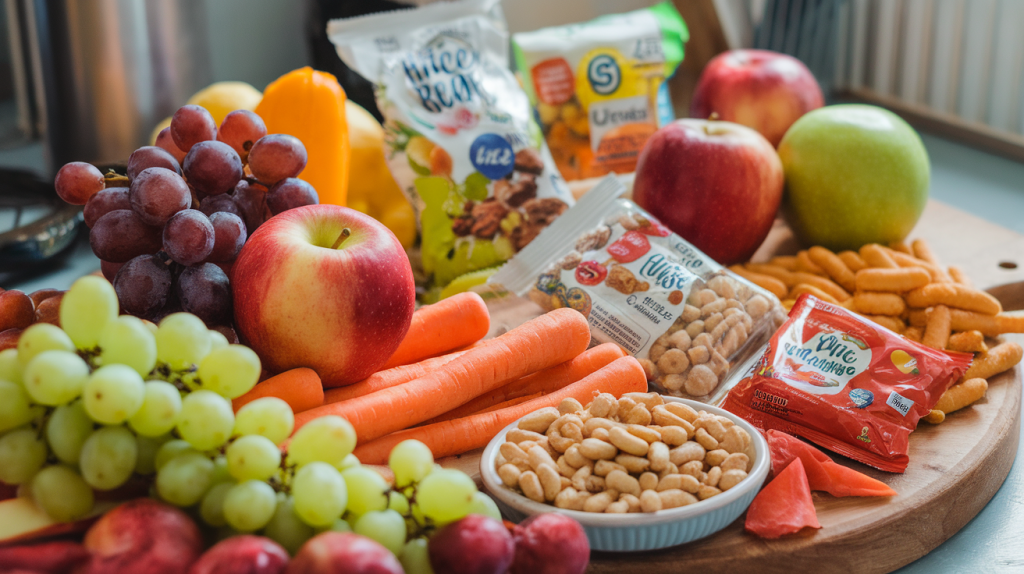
[988, 186]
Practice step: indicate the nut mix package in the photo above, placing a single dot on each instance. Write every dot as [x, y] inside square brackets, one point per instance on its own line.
[845, 383]
[688, 320]
[600, 87]
[460, 135]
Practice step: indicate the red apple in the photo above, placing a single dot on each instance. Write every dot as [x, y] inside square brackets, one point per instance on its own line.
[475, 544]
[550, 544]
[343, 553]
[716, 184]
[245, 554]
[760, 89]
[305, 296]
[51, 557]
[142, 536]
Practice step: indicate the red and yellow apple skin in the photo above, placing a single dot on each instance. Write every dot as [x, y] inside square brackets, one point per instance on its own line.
[716, 184]
[142, 536]
[760, 89]
[301, 303]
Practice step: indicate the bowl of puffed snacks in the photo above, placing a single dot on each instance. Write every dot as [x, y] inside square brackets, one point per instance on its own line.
[641, 472]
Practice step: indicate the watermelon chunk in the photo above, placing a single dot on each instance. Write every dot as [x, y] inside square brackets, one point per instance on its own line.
[784, 506]
[822, 472]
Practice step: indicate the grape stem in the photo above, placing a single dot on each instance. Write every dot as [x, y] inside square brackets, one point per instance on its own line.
[345, 233]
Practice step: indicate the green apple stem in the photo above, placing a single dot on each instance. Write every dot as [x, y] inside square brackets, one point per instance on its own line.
[341, 238]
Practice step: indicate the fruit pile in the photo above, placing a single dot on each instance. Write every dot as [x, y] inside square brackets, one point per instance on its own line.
[168, 231]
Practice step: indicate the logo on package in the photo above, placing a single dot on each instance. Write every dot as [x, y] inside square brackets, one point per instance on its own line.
[604, 75]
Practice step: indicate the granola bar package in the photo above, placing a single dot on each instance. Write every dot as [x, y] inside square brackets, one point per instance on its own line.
[460, 136]
[689, 321]
[600, 87]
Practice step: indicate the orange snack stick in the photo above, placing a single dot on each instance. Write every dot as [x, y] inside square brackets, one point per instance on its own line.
[833, 266]
[924, 252]
[853, 260]
[552, 338]
[802, 288]
[1000, 358]
[901, 247]
[767, 282]
[891, 280]
[914, 334]
[989, 325]
[300, 388]
[807, 265]
[443, 327]
[877, 256]
[937, 273]
[934, 417]
[787, 262]
[919, 317]
[827, 285]
[936, 332]
[956, 296]
[958, 276]
[894, 324]
[967, 342]
[787, 304]
[787, 277]
[961, 394]
[389, 378]
[447, 438]
[874, 303]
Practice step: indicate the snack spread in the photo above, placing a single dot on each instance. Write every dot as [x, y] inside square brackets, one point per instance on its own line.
[460, 135]
[845, 383]
[600, 88]
[687, 319]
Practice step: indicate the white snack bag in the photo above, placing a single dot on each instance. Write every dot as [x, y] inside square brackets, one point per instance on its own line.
[460, 136]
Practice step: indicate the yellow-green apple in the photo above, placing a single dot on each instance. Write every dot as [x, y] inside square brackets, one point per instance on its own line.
[760, 89]
[142, 536]
[716, 184]
[245, 554]
[324, 287]
[855, 174]
[343, 553]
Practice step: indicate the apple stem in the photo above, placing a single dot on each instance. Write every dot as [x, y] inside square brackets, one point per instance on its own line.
[341, 238]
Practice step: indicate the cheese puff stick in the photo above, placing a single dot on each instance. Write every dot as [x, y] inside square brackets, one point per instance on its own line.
[787, 277]
[914, 334]
[959, 276]
[787, 304]
[923, 251]
[1000, 358]
[892, 280]
[877, 256]
[833, 266]
[989, 325]
[956, 296]
[805, 264]
[934, 417]
[787, 262]
[901, 247]
[936, 332]
[827, 285]
[878, 303]
[961, 394]
[802, 288]
[967, 342]
[853, 260]
[937, 273]
[776, 287]
[894, 324]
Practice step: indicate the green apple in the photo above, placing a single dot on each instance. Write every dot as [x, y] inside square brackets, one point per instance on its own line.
[855, 174]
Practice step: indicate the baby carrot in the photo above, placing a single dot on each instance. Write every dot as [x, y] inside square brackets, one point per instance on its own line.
[451, 323]
[388, 378]
[624, 375]
[542, 342]
[300, 388]
[546, 381]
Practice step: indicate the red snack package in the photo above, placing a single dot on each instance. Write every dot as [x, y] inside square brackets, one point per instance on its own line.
[784, 506]
[845, 383]
[822, 473]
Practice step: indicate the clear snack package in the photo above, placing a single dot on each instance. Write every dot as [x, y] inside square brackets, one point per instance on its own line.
[600, 87]
[459, 133]
[691, 322]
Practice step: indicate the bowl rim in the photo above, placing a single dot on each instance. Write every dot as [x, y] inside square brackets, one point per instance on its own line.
[754, 480]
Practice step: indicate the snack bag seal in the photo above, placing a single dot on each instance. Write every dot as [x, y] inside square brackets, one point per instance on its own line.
[689, 321]
[459, 133]
[845, 383]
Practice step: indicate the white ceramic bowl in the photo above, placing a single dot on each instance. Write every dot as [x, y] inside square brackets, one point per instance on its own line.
[642, 531]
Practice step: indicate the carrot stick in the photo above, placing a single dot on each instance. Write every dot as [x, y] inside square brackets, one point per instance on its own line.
[624, 375]
[542, 342]
[300, 388]
[388, 378]
[442, 327]
[546, 381]
[508, 403]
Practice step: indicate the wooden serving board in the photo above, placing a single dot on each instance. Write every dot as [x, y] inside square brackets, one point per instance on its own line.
[955, 467]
